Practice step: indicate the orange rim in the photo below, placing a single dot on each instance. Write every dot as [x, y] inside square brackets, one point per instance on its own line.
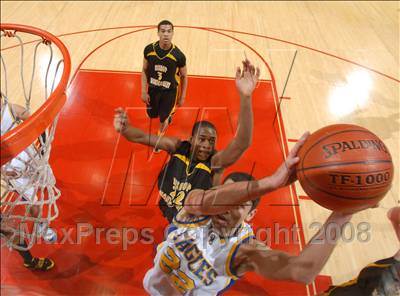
[17, 139]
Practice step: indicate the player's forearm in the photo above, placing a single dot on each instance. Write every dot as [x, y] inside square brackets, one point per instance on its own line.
[184, 86]
[394, 217]
[243, 137]
[320, 248]
[144, 82]
[244, 132]
[223, 198]
[133, 134]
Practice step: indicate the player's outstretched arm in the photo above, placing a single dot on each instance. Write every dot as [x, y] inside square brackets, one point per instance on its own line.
[246, 81]
[224, 197]
[133, 134]
[184, 79]
[394, 217]
[303, 268]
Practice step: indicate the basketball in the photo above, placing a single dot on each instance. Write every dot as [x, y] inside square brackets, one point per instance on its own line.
[345, 168]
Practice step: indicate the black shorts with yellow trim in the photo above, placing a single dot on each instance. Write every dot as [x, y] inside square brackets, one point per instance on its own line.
[162, 102]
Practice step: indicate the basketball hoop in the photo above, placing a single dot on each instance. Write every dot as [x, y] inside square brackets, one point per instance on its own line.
[27, 180]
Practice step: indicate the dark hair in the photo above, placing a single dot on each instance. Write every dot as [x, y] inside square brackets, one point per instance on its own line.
[200, 124]
[164, 22]
[240, 176]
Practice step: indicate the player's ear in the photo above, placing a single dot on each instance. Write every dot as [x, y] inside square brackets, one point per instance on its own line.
[192, 139]
[250, 215]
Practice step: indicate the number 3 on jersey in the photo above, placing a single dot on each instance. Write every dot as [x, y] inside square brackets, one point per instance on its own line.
[159, 75]
[169, 262]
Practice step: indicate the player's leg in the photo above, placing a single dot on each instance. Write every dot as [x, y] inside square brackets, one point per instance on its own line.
[30, 262]
[153, 106]
[35, 263]
[167, 108]
[153, 109]
[43, 229]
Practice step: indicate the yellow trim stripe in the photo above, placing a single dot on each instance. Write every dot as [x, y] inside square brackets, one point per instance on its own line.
[228, 281]
[231, 252]
[169, 55]
[160, 246]
[346, 284]
[183, 158]
[379, 265]
[177, 77]
[200, 165]
[152, 53]
[154, 50]
[173, 108]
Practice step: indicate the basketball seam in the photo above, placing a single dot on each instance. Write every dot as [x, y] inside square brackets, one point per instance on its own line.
[315, 187]
[370, 172]
[363, 186]
[345, 163]
[346, 197]
[330, 135]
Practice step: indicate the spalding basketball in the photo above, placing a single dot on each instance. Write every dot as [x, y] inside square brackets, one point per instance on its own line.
[345, 168]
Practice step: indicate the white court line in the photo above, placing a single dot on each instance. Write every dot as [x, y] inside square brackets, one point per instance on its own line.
[290, 189]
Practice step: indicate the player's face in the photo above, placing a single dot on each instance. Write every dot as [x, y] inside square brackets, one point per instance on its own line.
[203, 143]
[228, 222]
[165, 33]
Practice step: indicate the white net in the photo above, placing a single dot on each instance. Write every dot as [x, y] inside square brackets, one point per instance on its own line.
[29, 72]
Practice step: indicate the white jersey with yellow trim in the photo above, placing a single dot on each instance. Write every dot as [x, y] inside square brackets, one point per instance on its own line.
[194, 260]
[8, 119]
[23, 162]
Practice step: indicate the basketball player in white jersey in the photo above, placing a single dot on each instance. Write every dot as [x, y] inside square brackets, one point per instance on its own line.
[11, 116]
[211, 245]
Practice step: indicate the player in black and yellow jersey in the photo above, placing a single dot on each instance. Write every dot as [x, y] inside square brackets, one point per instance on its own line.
[184, 172]
[381, 278]
[164, 69]
[194, 164]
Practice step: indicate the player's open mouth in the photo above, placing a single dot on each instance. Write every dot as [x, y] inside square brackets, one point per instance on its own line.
[202, 154]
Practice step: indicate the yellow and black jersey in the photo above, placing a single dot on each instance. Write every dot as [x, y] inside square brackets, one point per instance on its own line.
[381, 277]
[163, 68]
[179, 176]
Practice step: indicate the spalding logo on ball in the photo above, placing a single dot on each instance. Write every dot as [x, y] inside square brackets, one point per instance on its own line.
[345, 168]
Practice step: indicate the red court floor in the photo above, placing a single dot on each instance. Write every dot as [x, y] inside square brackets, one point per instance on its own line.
[107, 182]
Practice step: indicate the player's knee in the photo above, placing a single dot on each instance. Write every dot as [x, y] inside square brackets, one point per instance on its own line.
[165, 114]
[163, 118]
[152, 113]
